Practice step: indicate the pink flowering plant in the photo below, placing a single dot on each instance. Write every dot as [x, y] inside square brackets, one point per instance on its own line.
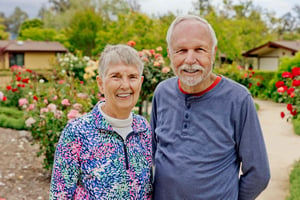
[155, 71]
[57, 101]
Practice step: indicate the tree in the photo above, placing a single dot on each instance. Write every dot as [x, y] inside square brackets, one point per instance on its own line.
[83, 29]
[33, 23]
[3, 35]
[202, 6]
[14, 21]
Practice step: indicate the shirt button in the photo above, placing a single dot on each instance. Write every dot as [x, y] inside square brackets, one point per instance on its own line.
[184, 125]
[188, 106]
[186, 116]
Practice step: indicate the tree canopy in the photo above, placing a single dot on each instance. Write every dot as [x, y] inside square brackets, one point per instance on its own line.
[88, 25]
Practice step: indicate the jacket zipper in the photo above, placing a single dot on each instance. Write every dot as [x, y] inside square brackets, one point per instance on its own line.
[126, 155]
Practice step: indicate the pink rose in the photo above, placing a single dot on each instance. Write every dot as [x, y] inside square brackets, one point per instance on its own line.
[52, 107]
[31, 106]
[23, 102]
[165, 69]
[58, 114]
[73, 114]
[44, 110]
[30, 121]
[65, 102]
[77, 106]
[1, 96]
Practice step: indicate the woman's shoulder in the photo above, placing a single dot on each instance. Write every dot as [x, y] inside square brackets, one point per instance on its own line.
[140, 122]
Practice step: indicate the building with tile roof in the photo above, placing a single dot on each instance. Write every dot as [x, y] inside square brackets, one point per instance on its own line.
[30, 54]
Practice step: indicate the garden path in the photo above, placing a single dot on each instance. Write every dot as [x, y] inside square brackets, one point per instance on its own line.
[282, 146]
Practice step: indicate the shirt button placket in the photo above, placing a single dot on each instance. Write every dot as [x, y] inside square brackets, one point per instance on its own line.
[186, 120]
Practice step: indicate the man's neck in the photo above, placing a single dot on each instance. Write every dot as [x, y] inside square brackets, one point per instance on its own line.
[203, 85]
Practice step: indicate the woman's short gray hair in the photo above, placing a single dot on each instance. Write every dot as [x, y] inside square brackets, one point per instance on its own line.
[190, 17]
[119, 54]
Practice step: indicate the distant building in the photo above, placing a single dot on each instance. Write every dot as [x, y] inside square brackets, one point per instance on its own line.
[267, 56]
[35, 55]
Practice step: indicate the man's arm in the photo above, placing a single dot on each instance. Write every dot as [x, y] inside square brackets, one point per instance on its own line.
[252, 154]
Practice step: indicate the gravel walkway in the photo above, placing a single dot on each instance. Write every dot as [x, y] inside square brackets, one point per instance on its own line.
[282, 146]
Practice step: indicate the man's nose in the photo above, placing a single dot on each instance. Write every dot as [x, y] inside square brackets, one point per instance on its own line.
[190, 57]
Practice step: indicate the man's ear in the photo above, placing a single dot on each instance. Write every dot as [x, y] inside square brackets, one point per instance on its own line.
[100, 84]
[142, 79]
[215, 53]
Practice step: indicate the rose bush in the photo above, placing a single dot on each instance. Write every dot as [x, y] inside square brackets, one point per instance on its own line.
[289, 89]
[51, 104]
[154, 72]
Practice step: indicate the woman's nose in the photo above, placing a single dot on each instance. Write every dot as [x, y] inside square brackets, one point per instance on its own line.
[125, 83]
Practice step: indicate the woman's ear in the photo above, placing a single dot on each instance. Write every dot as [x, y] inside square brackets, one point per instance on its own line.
[100, 84]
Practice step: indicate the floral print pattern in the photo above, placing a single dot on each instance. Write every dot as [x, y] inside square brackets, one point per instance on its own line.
[94, 162]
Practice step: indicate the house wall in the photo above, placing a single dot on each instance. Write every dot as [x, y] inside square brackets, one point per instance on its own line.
[271, 60]
[39, 60]
[32, 60]
[4, 61]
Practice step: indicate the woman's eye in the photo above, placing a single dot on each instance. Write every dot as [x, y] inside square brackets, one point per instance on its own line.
[133, 77]
[115, 76]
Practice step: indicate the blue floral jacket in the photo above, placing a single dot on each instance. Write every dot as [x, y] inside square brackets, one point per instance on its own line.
[94, 162]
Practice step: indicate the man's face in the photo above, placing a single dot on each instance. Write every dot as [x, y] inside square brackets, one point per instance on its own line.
[191, 52]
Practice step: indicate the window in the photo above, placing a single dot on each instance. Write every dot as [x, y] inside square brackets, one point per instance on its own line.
[16, 59]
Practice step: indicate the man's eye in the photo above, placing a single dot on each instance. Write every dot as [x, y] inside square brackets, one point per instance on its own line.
[201, 49]
[181, 51]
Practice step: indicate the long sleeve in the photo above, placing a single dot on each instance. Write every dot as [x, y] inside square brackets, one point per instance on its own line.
[153, 126]
[66, 166]
[252, 154]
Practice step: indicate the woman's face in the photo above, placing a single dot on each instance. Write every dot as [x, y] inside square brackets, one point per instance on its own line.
[121, 87]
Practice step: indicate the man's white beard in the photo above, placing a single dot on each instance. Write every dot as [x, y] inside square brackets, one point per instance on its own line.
[191, 81]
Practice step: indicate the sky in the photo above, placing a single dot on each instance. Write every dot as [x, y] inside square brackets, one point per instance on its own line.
[157, 7]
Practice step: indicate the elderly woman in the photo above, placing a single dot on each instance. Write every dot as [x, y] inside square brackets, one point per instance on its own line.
[106, 154]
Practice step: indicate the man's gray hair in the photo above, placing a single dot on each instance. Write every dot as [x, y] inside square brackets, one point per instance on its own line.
[181, 18]
[119, 54]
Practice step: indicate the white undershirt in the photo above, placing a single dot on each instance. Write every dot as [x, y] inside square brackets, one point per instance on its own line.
[121, 126]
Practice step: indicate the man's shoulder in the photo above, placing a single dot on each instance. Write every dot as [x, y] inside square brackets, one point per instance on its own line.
[234, 85]
[167, 84]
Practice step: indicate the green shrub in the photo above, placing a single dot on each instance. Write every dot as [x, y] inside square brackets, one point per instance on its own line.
[295, 182]
[10, 122]
[12, 118]
[257, 81]
[11, 112]
[296, 125]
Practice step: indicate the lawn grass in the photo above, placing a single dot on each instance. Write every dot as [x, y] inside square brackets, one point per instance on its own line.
[12, 118]
[295, 182]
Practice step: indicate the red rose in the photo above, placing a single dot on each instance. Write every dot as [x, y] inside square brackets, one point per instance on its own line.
[282, 114]
[286, 75]
[279, 84]
[296, 83]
